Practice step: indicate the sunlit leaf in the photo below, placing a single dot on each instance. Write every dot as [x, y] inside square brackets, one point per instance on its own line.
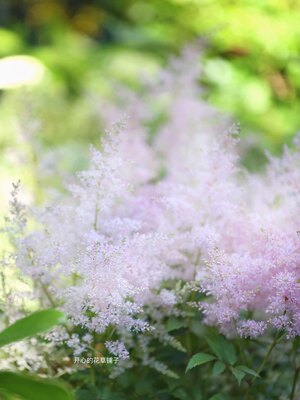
[31, 325]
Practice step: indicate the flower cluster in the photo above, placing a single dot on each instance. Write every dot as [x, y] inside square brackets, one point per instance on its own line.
[172, 206]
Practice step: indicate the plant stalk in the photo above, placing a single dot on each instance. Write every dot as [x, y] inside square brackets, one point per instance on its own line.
[296, 376]
[264, 361]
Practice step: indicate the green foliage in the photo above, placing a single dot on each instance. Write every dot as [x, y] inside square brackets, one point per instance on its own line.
[174, 324]
[239, 375]
[31, 325]
[199, 359]
[218, 396]
[218, 368]
[222, 348]
[33, 388]
[247, 370]
[225, 352]
[250, 51]
[11, 43]
[29, 387]
[203, 383]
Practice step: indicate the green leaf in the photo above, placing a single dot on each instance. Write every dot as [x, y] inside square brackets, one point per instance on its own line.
[229, 353]
[199, 359]
[247, 370]
[174, 324]
[296, 341]
[37, 322]
[239, 375]
[32, 388]
[218, 396]
[180, 394]
[218, 368]
[223, 349]
[6, 395]
[196, 327]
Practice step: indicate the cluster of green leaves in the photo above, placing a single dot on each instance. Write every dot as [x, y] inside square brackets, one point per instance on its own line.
[224, 357]
[206, 366]
[217, 372]
[26, 386]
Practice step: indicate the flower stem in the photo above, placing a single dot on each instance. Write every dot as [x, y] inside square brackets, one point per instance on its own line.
[93, 375]
[296, 376]
[277, 338]
[48, 294]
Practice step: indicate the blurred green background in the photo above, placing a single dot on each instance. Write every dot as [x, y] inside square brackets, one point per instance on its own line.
[74, 48]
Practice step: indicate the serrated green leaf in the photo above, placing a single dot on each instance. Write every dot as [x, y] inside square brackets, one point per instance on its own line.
[218, 368]
[199, 359]
[223, 348]
[239, 375]
[31, 325]
[32, 388]
[247, 370]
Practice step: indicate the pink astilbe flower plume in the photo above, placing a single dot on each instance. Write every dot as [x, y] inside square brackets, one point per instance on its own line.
[176, 207]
